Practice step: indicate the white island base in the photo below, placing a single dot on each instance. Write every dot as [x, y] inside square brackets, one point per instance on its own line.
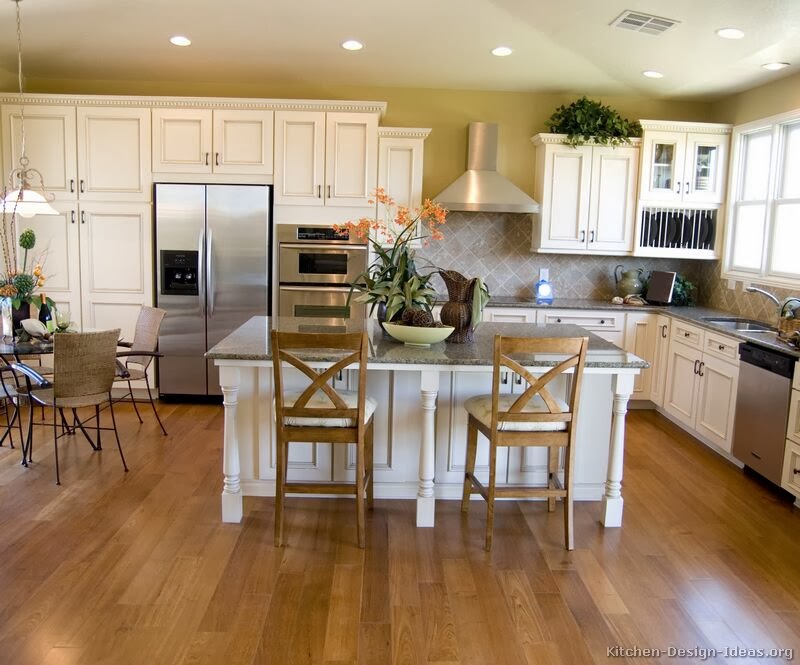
[420, 428]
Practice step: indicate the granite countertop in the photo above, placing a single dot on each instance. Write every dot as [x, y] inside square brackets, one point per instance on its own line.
[250, 342]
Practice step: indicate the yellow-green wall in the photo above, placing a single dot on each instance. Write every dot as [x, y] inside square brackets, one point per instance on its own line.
[766, 100]
[446, 112]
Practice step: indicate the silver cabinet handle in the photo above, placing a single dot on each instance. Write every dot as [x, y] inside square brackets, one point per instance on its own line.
[201, 273]
[664, 331]
[583, 236]
[82, 186]
[591, 236]
[72, 185]
[696, 363]
[216, 159]
[210, 269]
[700, 369]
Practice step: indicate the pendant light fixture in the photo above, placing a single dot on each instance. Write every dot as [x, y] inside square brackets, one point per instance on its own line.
[25, 194]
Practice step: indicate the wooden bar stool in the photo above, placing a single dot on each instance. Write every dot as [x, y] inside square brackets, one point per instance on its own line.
[321, 413]
[533, 418]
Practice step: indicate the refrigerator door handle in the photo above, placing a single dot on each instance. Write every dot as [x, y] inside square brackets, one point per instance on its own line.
[210, 268]
[201, 274]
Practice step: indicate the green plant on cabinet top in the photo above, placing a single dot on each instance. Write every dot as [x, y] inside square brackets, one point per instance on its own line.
[586, 120]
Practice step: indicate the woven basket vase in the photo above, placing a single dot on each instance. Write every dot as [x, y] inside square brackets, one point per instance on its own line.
[457, 311]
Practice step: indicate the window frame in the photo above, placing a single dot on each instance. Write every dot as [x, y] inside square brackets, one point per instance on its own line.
[776, 126]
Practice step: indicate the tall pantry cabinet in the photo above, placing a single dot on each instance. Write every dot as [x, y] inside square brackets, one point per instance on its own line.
[96, 161]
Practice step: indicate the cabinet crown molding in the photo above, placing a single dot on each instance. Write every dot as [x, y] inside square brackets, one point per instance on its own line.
[681, 126]
[197, 102]
[556, 139]
[404, 132]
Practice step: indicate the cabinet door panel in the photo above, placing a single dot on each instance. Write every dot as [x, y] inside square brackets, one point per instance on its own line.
[351, 145]
[680, 392]
[705, 169]
[299, 157]
[662, 166]
[569, 186]
[659, 370]
[613, 198]
[717, 401]
[640, 339]
[50, 145]
[243, 142]
[182, 140]
[114, 154]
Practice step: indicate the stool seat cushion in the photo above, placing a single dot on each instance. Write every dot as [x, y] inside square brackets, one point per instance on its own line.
[480, 407]
[321, 401]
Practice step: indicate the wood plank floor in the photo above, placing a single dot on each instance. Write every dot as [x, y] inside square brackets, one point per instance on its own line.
[137, 568]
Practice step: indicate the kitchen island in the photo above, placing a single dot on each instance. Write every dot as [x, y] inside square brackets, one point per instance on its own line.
[420, 425]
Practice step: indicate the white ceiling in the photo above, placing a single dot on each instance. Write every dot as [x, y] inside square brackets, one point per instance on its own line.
[559, 46]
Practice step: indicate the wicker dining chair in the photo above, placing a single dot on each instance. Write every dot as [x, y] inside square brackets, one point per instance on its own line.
[143, 349]
[84, 367]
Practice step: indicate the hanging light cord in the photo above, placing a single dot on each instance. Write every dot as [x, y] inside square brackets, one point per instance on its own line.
[21, 86]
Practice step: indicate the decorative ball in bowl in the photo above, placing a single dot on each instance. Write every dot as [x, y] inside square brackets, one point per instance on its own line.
[418, 336]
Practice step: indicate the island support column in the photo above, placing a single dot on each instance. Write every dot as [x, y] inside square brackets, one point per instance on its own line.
[611, 507]
[429, 389]
[229, 380]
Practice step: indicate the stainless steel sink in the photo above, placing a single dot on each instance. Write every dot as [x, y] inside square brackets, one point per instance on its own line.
[738, 324]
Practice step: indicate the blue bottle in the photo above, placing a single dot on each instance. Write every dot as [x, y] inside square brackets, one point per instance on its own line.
[543, 290]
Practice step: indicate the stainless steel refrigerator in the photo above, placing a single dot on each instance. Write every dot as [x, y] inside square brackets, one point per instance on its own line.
[212, 270]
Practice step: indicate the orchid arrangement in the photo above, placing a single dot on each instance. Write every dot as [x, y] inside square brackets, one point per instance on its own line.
[393, 279]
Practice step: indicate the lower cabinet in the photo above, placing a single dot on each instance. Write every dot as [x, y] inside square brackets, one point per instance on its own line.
[701, 381]
[640, 340]
[658, 373]
[791, 461]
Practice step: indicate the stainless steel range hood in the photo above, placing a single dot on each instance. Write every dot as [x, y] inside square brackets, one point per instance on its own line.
[482, 188]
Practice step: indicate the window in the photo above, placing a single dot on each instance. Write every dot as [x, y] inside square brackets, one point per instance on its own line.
[763, 239]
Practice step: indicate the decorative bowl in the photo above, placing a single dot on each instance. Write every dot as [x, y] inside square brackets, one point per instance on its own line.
[416, 336]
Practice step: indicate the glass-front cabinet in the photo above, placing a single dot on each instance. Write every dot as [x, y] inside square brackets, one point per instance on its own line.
[687, 167]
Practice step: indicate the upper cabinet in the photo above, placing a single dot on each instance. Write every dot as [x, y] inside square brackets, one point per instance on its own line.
[588, 197]
[325, 158]
[400, 154]
[683, 176]
[222, 141]
[88, 153]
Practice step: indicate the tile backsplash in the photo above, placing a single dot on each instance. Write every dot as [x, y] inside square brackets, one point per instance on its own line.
[496, 247]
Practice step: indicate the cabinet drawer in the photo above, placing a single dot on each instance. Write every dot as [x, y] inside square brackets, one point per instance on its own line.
[687, 334]
[721, 346]
[791, 469]
[594, 321]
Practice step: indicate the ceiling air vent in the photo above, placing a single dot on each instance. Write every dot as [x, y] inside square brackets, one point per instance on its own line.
[639, 22]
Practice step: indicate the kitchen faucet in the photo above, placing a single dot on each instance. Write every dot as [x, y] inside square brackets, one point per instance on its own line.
[755, 289]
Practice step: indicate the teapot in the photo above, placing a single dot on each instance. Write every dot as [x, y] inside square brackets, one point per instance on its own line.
[630, 282]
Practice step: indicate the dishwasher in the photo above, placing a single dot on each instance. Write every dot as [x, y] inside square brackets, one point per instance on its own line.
[762, 409]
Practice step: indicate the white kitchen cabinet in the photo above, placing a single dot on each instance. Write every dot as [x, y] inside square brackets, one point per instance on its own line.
[607, 324]
[658, 372]
[791, 469]
[702, 377]
[88, 153]
[325, 158]
[587, 195]
[640, 339]
[237, 142]
[400, 158]
[793, 428]
[684, 163]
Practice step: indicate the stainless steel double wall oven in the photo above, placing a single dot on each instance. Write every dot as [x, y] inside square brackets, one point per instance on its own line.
[315, 269]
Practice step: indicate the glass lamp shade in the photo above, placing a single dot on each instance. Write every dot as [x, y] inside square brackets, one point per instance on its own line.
[27, 202]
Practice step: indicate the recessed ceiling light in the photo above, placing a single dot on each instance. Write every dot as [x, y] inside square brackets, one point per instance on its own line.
[775, 66]
[502, 51]
[180, 40]
[352, 45]
[652, 74]
[730, 33]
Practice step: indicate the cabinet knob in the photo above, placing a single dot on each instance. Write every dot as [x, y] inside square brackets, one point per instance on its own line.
[686, 334]
[721, 347]
[558, 320]
[602, 322]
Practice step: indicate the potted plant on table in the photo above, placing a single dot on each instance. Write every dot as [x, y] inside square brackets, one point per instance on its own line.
[17, 285]
[586, 120]
[393, 283]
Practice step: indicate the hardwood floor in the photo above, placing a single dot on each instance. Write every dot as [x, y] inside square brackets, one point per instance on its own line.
[137, 568]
